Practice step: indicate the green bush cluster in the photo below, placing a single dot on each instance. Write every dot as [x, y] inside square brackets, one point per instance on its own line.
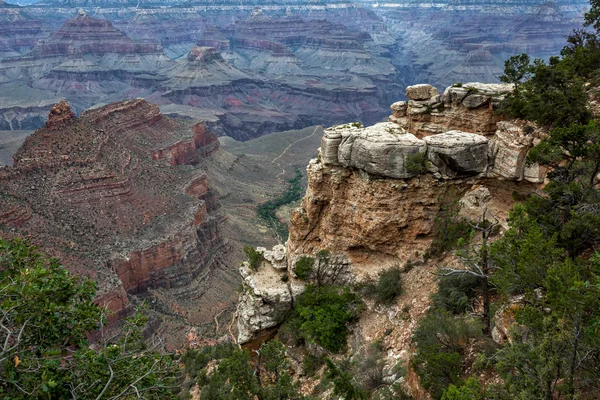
[386, 289]
[321, 315]
[441, 340]
[417, 163]
[456, 293]
[47, 315]
[239, 376]
[255, 258]
[448, 227]
[304, 267]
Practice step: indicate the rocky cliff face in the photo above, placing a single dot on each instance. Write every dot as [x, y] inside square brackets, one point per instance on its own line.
[102, 193]
[371, 209]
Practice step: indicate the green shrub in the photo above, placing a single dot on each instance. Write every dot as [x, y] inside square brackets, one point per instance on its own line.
[440, 339]
[417, 163]
[196, 360]
[550, 94]
[240, 376]
[344, 385]
[312, 363]
[470, 390]
[304, 267]
[456, 293]
[322, 313]
[448, 227]
[389, 286]
[255, 258]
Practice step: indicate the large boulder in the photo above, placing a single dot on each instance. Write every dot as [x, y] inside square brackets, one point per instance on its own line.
[381, 149]
[457, 153]
[421, 92]
[475, 95]
[330, 142]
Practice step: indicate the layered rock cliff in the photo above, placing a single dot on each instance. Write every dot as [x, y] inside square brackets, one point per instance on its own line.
[115, 195]
[371, 208]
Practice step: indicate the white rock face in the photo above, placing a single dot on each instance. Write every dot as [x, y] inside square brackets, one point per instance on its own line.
[330, 142]
[474, 94]
[275, 257]
[266, 298]
[399, 109]
[458, 153]
[421, 92]
[381, 149]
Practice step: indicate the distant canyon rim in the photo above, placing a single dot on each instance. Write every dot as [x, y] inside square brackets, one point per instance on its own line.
[247, 68]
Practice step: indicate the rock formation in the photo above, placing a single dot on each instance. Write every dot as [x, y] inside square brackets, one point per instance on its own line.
[369, 206]
[467, 107]
[101, 193]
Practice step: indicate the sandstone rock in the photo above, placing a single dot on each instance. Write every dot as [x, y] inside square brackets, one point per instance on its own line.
[59, 115]
[276, 257]
[475, 94]
[399, 109]
[421, 92]
[467, 108]
[330, 143]
[511, 151]
[458, 153]
[475, 100]
[266, 299]
[475, 202]
[534, 173]
[381, 149]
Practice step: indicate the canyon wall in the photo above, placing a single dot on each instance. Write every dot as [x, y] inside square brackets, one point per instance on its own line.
[114, 195]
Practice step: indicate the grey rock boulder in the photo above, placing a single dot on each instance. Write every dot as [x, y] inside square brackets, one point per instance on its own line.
[381, 149]
[421, 92]
[457, 153]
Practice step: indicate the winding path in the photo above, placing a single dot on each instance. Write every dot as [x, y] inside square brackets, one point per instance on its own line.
[288, 147]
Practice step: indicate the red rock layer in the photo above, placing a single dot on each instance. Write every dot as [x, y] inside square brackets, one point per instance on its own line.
[91, 191]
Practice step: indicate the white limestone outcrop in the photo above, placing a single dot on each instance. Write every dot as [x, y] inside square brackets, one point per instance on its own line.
[267, 296]
[457, 153]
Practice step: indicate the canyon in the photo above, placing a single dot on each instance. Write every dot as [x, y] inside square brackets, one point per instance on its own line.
[277, 65]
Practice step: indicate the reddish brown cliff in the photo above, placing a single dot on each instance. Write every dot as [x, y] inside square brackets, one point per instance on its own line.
[91, 191]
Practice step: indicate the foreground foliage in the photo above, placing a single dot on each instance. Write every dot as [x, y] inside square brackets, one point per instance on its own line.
[237, 375]
[46, 315]
[321, 315]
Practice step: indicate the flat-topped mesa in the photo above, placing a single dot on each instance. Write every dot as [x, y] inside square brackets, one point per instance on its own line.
[467, 107]
[204, 54]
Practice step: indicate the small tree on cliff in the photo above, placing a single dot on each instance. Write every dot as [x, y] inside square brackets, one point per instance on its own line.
[477, 263]
[45, 316]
